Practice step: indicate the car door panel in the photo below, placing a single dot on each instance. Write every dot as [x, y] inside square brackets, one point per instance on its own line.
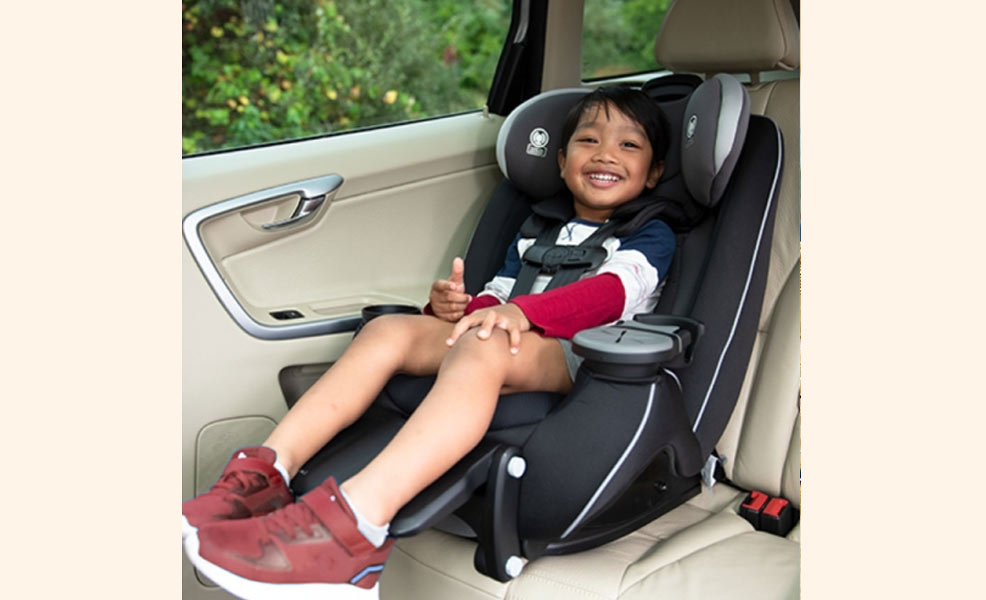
[409, 198]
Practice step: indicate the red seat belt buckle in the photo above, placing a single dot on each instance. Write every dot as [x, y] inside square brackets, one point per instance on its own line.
[777, 517]
[753, 507]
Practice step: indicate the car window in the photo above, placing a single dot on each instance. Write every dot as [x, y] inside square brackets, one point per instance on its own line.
[618, 37]
[260, 71]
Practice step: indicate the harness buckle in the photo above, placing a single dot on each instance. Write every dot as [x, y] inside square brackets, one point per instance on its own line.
[552, 259]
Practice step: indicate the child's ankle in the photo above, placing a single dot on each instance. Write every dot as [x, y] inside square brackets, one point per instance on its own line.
[376, 534]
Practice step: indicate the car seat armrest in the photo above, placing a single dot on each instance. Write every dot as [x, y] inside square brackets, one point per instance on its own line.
[638, 349]
[687, 329]
[448, 493]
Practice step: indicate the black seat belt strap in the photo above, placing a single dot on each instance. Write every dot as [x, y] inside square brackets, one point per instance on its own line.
[566, 264]
[529, 271]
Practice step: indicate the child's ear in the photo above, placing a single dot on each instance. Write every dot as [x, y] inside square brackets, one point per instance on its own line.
[561, 162]
[654, 175]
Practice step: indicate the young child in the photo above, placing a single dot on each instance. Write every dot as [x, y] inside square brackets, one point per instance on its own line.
[247, 533]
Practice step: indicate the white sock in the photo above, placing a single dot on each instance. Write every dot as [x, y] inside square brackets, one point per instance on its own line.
[376, 534]
[283, 471]
[277, 465]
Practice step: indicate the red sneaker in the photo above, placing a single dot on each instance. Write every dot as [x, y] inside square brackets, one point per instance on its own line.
[249, 486]
[303, 550]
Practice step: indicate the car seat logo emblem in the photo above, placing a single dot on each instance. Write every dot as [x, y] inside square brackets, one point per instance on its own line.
[690, 130]
[538, 145]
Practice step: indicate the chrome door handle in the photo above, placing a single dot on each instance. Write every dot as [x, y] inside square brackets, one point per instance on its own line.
[306, 209]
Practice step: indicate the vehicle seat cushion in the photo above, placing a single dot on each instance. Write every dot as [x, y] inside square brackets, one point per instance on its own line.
[725, 36]
[767, 456]
[702, 549]
[781, 102]
[762, 442]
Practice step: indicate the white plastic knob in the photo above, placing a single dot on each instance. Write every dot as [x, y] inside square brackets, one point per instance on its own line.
[514, 566]
[516, 467]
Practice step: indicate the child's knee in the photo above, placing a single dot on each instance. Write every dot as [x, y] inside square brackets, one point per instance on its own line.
[387, 329]
[490, 350]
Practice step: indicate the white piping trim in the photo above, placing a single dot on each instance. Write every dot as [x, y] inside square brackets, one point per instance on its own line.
[746, 287]
[674, 376]
[616, 467]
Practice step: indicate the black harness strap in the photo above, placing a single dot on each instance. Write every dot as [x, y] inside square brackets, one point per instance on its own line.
[564, 263]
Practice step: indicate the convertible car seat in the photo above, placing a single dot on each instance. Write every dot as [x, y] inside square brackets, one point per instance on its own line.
[558, 475]
[704, 548]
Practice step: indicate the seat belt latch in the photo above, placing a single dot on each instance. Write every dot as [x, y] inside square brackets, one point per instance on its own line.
[777, 517]
[768, 514]
[753, 507]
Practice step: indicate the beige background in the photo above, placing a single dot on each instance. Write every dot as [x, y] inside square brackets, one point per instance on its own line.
[893, 326]
[91, 373]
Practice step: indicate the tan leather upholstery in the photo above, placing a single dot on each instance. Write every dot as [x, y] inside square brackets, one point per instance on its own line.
[726, 36]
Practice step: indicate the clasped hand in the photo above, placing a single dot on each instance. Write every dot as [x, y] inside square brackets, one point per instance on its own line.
[449, 299]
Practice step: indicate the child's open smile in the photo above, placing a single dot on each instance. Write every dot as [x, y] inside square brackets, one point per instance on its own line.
[607, 162]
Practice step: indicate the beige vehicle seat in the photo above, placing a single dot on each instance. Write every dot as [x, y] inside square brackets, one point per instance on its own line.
[703, 549]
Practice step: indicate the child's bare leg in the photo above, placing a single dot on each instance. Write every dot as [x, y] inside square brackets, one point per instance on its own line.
[385, 346]
[454, 416]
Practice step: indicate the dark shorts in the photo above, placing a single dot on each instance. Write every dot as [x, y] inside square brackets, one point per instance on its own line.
[571, 359]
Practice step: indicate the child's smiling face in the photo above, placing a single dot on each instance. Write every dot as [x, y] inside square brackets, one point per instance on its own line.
[607, 162]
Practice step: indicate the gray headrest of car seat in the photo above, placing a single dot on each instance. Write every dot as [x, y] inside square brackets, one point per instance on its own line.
[529, 139]
[713, 130]
[712, 135]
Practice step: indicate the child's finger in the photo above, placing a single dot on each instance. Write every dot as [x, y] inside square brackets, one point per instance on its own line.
[513, 333]
[456, 297]
[514, 339]
[461, 326]
[458, 270]
[486, 327]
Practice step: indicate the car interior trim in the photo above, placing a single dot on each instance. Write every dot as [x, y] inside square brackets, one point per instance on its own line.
[309, 189]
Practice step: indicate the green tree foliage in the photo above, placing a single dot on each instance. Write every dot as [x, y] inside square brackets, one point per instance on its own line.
[618, 36]
[255, 71]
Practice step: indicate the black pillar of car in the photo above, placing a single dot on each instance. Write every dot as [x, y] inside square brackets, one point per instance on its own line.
[518, 73]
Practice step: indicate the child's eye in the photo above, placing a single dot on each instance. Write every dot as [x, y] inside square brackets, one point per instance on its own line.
[629, 144]
[588, 139]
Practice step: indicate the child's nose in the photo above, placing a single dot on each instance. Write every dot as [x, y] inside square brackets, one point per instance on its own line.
[605, 153]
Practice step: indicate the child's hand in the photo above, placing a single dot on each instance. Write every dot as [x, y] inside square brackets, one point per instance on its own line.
[508, 317]
[448, 297]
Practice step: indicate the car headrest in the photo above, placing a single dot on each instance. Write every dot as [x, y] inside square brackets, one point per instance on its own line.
[711, 134]
[529, 139]
[726, 36]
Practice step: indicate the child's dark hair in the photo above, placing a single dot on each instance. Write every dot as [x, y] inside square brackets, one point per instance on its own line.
[633, 103]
